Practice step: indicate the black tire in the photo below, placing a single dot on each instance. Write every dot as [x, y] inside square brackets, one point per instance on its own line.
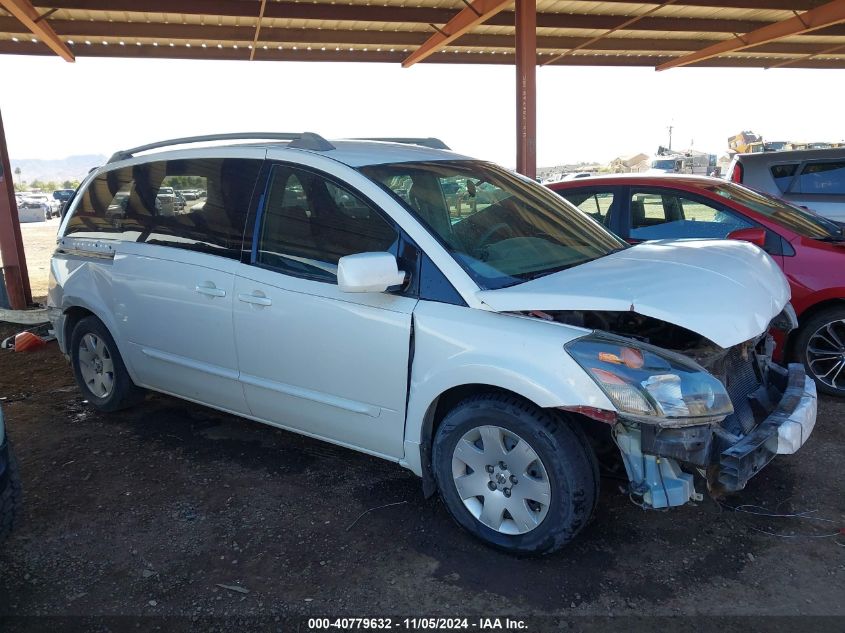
[560, 444]
[800, 352]
[11, 498]
[124, 393]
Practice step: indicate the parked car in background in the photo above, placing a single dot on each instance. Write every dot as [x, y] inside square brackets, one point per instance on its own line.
[813, 178]
[576, 175]
[35, 207]
[11, 494]
[167, 203]
[63, 195]
[475, 348]
[809, 248]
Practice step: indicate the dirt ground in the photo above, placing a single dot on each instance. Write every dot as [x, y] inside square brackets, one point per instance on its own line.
[152, 510]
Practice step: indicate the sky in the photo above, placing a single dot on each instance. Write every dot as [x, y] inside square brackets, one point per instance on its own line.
[52, 109]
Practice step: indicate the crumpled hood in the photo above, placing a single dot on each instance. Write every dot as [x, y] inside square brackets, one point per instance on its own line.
[725, 290]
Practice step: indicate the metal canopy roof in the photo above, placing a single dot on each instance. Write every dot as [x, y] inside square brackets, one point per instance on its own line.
[662, 34]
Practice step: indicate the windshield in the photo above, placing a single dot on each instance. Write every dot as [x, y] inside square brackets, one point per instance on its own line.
[501, 229]
[803, 222]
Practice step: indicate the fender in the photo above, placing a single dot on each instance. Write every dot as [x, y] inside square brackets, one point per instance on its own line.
[808, 301]
[79, 282]
[457, 346]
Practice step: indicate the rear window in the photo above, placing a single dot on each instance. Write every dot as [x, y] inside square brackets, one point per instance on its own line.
[827, 178]
[783, 174]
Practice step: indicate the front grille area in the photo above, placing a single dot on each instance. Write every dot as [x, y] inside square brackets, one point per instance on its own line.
[741, 380]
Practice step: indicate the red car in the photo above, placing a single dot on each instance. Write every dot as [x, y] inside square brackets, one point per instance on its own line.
[809, 248]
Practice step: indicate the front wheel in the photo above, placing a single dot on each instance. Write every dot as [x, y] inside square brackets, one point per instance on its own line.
[520, 478]
[820, 346]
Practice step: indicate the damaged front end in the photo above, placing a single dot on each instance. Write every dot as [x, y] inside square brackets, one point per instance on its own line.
[694, 407]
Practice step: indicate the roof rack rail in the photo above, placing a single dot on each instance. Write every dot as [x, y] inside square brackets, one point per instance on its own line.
[300, 140]
[433, 143]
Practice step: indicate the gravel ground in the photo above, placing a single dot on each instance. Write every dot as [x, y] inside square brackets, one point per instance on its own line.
[174, 509]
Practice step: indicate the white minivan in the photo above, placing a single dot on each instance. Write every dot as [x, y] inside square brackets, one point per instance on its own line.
[333, 289]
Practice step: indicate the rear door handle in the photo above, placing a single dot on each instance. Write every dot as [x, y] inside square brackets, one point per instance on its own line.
[255, 299]
[209, 289]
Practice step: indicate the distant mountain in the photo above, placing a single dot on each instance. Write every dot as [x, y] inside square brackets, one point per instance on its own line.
[70, 168]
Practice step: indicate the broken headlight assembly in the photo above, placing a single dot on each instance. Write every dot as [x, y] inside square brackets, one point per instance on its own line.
[651, 385]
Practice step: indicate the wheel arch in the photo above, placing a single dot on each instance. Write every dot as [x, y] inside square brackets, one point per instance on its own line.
[437, 410]
[73, 315]
[808, 314]
[75, 310]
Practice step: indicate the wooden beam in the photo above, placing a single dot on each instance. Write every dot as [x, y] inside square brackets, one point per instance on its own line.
[212, 33]
[146, 51]
[31, 19]
[623, 25]
[249, 8]
[257, 30]
[406, 15]
[792, 62]
[826, 15]
[476, 12]
[774, 5]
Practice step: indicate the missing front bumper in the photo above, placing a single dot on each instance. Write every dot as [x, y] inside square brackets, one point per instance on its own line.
[653, 456]
[782, 433]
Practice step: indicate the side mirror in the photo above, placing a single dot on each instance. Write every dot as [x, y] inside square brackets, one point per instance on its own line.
[755, 235]
[368, 272]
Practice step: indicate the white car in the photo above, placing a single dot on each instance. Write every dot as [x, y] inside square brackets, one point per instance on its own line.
[328, 288]
[34, 207]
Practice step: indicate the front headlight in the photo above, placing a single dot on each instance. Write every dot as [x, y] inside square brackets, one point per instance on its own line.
[650, 384]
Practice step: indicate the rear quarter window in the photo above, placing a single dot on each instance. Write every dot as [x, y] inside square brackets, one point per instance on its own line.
[783, 174]
[822, 178]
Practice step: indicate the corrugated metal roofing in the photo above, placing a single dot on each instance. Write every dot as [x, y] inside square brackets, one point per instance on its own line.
[389, 30]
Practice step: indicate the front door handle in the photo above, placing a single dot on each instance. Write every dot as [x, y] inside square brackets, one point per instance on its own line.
[209, 289]
[255, 299]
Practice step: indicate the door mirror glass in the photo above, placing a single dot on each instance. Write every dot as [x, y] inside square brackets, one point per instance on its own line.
[755, 235]
[368, 272]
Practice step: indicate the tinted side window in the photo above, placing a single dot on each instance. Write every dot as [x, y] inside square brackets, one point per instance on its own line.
[823, 178]
[213, 223]
[782, 175]
[138, 203]
[309, 223]
[657, 216]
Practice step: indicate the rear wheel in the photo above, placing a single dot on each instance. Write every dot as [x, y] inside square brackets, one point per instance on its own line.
[99, 369]
[820, 346]
[520, 478]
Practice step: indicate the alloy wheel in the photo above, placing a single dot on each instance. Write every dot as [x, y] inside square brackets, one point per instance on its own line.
[826, 354]
[501, 480]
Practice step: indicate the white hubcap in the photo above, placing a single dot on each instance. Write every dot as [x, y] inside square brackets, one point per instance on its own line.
[96, 366]
[501, 480]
